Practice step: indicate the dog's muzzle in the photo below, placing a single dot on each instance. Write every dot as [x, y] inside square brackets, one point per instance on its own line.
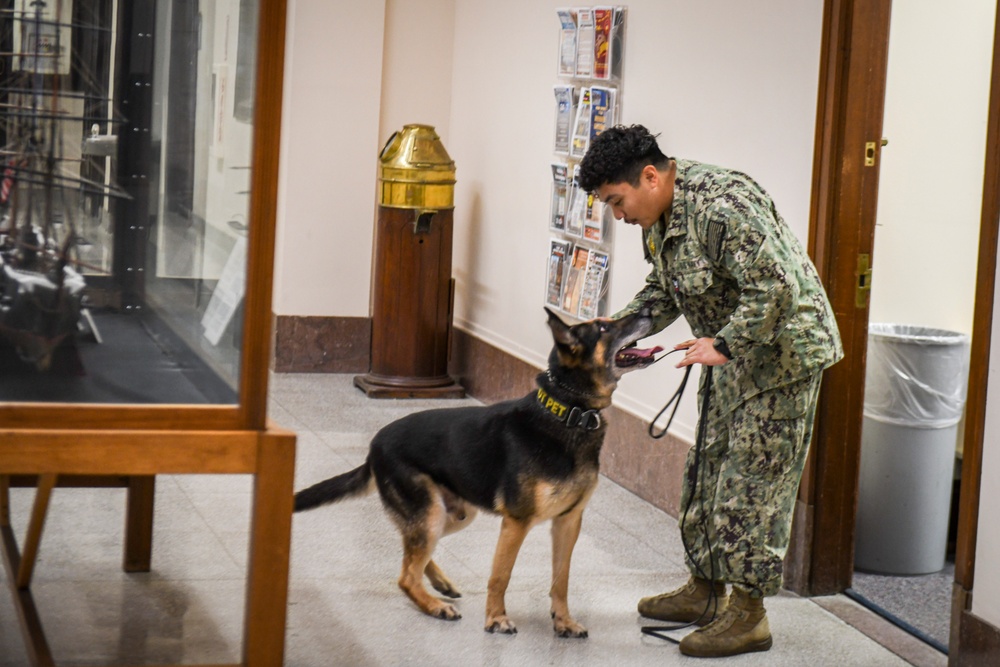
[629, 357]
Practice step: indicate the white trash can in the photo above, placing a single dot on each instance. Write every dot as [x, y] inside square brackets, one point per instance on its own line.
[915, 386]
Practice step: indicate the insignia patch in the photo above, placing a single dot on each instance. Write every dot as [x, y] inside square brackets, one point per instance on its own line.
[716, 236]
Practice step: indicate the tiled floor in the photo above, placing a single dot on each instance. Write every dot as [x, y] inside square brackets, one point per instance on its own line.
[345, 608]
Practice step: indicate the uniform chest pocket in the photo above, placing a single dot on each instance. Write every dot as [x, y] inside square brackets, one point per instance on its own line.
[693, 283]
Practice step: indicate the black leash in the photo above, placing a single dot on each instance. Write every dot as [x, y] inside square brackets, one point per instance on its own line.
[712, 604]
[676, 397]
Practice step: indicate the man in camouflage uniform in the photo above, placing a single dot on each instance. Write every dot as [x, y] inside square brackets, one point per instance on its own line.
[723, 258]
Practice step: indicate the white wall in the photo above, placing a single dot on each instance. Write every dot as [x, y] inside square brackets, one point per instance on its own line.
[417, 66]
[354, 74]
[329, 153]
[931, 179]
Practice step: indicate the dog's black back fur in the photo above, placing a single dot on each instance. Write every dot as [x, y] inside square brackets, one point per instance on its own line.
[483, 454]
[476, 452]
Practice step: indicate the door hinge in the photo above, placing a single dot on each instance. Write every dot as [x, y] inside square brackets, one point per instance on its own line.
[864, 281]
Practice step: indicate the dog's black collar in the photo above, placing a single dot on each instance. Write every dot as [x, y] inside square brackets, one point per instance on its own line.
[553, 380]
[588, 420]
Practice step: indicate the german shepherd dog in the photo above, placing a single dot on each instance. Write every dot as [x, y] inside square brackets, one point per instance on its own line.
[528, 460]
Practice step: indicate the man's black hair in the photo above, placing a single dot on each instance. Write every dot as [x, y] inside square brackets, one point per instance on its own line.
[618, 155]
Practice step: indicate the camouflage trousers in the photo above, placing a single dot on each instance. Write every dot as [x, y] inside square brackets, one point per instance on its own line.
[741, 494]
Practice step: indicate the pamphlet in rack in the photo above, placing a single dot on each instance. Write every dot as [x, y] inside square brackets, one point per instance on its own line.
[567, 43]
[593, 218]
[602, 109]
[564, 118]
[577, 211]
[585, 42]
[588, 100]
[593, 282]
[602, 42]
[558, 252]
[581, 128]
[560, 196]
[574, 280]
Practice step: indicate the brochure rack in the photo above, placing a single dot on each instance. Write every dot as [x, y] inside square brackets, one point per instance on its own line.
[587, 100]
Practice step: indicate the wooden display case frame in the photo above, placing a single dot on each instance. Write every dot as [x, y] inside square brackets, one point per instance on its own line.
[58, 444]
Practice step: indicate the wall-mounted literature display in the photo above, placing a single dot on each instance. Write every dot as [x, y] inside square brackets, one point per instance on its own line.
[587, 100]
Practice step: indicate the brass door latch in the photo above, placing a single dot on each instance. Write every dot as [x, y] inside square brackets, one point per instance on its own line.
[871, 150]
[864, 281]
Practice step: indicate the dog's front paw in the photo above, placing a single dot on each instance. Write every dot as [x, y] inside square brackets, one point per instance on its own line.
[500, 624]
[567, 627]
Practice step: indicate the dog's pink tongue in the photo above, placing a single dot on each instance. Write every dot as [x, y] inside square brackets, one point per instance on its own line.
[643, 353]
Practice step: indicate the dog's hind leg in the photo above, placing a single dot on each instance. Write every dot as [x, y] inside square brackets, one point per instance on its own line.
[459, 514]
[565, 530]
[512, 534]
[420, 536]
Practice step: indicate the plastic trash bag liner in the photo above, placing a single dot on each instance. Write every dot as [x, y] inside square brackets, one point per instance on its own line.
[916, 376]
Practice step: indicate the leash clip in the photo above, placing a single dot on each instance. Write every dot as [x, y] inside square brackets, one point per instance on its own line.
[589, 420]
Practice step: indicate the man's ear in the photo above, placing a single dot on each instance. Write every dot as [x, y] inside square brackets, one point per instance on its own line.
[560, 330]
[649, 175]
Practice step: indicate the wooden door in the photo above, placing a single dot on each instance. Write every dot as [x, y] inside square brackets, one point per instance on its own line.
[842, 230]
[850, 107]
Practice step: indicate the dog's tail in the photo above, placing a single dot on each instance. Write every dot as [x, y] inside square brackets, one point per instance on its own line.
[353, 483]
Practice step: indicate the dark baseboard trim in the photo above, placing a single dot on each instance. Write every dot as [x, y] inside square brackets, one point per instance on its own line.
[978, 644]
[797, 564]
[321, 344]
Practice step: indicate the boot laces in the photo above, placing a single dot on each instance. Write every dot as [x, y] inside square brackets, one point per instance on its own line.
[733, 613]
[723, 622]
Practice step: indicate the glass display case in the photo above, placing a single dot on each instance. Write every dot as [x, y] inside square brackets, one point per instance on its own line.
[127, 133]
[139, 154]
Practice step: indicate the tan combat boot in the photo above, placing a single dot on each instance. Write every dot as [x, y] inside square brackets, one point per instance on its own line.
[742, 628]
[688, 604]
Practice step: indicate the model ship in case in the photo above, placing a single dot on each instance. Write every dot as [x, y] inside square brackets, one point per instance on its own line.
[50, 180]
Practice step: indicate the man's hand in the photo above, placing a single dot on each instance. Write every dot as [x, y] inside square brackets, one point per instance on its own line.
[700, 351]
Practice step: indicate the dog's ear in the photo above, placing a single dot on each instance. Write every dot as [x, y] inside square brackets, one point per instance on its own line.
[560, 330]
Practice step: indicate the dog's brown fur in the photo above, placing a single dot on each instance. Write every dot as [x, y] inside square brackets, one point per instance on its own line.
[525, 460]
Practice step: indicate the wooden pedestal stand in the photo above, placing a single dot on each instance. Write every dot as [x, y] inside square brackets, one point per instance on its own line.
[412, 290]
[411, 321]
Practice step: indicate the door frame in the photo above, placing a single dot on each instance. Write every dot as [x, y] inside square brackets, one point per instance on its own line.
[845, 194]
[853, 65]
[982, 326]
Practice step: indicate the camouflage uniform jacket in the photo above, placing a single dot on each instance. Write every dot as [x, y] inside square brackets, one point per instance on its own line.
[727, 262]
